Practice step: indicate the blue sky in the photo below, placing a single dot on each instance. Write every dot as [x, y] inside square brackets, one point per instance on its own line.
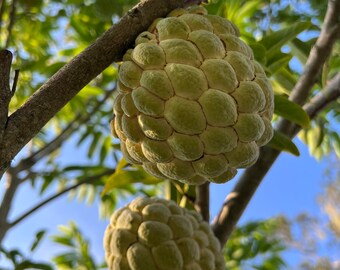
[290, 188]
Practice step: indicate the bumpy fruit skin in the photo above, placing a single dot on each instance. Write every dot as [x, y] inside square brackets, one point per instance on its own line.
[156, 234]
[193, 104]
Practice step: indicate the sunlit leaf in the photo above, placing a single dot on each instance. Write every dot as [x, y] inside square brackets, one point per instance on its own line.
[121, 165]
[291, 111]
[125, 177]
[285, 78]
[65, 241]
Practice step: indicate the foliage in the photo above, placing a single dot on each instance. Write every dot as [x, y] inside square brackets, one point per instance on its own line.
[281, 34]
[20, 261]
[255, 245]
[77, 255]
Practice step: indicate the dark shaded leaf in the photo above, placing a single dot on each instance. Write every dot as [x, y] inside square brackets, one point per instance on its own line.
[276, 40]
[282, 143]
[33, 265]
[38, 237]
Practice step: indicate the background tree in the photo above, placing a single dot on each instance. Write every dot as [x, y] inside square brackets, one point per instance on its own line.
[297, 43]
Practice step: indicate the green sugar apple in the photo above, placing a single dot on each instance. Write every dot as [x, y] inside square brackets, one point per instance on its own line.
[193, 104]
[156, 234]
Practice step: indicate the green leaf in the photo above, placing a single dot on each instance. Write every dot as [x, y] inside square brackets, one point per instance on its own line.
[291, 111]
[285, 79]
[105, 149]
[38, 237]
[125, 177]
[260, 52]
[247, 9]
[276, 40]
[93, 145]
[300, 49]
[33, 265]
[277, 62]
[336, 143]
[121, 165]
[80, 29]
[282, 143]
[63, 240]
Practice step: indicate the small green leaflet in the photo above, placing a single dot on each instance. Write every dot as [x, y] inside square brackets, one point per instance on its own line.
[38, 237]
[282, 143]
[291, 111]
[125, 177]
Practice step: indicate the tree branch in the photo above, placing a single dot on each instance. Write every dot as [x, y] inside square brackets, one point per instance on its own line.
[236, 202]
[56, 142]
[317, 103]
[11, 22]
[11, 187]
[29, 119]
[318, 54]
[57, 195]
[5, 90]
[202, 200]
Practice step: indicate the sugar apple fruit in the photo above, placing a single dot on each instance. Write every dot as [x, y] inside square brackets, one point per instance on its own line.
[193, 104]
[156, 234]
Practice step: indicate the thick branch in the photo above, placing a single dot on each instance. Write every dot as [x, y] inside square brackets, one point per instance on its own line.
[202, 201]
[29, 119]
[5, 90]
[57, 195]
[316, 59]
[319, 53]
[318, 102]
[238, 199]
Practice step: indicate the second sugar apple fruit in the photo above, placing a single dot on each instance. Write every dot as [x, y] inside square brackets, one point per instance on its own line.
[155, 234]
[193, 104]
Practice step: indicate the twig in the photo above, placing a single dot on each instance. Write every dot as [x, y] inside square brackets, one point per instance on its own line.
[5, 91]
[12, 185]
[236, 202]
[56, 142]
[29, 119]
[57, 195]
[15, 81]
[11, 22]
[179, 189]
[202, 202]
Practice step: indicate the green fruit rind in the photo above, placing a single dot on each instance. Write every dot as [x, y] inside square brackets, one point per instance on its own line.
[193, 105]
[161, 235]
